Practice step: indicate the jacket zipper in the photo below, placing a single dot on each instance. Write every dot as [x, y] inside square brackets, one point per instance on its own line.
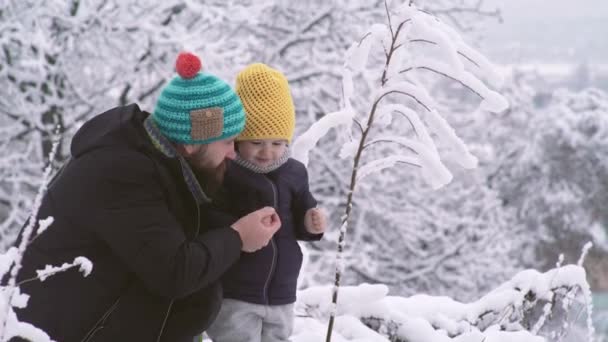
[274, 249]
[160, 333]
[99, 324]
[198, 228]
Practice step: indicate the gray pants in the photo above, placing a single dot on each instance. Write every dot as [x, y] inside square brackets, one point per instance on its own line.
[240, 321]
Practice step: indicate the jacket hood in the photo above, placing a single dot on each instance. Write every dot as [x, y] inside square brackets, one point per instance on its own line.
[117, 126]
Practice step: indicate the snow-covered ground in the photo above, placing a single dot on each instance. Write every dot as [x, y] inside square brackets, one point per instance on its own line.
[498, 316]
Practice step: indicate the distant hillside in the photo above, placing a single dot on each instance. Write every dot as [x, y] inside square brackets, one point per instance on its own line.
[574, 76]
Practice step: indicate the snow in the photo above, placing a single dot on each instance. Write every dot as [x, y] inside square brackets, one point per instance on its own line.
[460, 151]
[307, 141]
[7, 259]
[14, 328]
[406, 220]
[44, 224]
[19, 299]
[384, 163]
[84, 264]
[586, 249]
[432, 170]
[448, 62]
[385, 118]
[29, 229]
[349, 149]
[357, 55]
[422, 318]
[600, 235]
[428, 28]
[303, 144]
[9, 324]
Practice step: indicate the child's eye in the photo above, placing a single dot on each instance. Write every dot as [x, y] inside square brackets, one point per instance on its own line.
[256, 142]
[277, 143]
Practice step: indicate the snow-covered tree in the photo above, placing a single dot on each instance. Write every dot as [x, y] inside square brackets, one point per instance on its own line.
[389, 118]
[552, 169]
[407, 228]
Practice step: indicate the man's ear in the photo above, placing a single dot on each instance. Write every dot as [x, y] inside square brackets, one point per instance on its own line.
[185, 150]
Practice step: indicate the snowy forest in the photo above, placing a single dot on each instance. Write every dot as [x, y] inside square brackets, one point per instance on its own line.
[466, 201]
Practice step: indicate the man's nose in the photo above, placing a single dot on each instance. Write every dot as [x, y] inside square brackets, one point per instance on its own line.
[231, 155]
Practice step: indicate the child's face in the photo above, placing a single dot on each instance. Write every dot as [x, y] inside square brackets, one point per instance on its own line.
[262, 152]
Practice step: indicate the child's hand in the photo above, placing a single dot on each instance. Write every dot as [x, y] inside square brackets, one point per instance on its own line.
[267, 221]
[315, 221]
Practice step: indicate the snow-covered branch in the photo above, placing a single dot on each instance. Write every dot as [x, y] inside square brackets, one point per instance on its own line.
[507, 313]
[10, 264]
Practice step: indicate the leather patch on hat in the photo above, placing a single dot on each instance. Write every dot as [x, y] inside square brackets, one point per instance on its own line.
[207, 123]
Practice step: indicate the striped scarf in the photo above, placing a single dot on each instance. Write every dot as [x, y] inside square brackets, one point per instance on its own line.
[262, 169]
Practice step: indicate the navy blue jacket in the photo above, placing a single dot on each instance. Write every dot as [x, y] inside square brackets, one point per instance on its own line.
[268, 276]
[125, 206]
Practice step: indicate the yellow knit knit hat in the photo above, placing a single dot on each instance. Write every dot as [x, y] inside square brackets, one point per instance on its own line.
[268, 105]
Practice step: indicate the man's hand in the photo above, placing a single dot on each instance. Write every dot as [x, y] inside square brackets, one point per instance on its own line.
[315, 221]
[257, 228]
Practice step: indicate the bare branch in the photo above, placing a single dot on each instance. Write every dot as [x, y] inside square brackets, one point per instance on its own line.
[388, 16]
[363, 38]
[477, 10]
[407, 163]
[406, 94]
[392, 50]
[358, 124]
[314, 21]
[373, 142]
[434, 43]
[410, 121]
[445, 75]
[152, 90]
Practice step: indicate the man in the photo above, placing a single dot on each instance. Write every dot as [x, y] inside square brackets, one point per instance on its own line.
[133, 200]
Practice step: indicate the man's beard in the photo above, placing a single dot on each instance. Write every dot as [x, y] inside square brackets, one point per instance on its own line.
[211, 179]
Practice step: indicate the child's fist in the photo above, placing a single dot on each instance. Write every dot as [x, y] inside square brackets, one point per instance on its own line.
[267, 220]
[315, 221]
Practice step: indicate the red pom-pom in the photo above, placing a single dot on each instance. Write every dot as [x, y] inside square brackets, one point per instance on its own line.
[187, 65]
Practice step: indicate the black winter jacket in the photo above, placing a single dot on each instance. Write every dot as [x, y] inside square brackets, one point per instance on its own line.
[124, 205]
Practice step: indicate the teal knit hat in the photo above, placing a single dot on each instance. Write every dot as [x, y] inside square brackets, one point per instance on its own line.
[197, 107]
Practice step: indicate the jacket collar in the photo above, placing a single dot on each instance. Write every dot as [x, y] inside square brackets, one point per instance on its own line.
[163, 145]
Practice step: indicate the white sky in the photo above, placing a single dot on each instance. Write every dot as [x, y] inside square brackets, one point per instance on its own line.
[549, 30]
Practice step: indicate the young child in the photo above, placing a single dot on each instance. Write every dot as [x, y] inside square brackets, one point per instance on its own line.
[260, 289]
